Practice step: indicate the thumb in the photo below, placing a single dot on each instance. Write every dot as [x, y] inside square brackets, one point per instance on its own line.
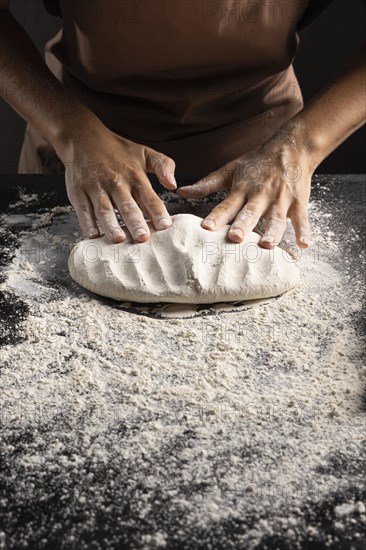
[210, 184]
[162, 166]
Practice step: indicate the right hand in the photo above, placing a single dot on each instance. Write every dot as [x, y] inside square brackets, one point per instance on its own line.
[105, 171]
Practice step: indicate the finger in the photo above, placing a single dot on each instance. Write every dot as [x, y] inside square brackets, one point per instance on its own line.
[129, 210]
[85, 214]
[134, 219]
[246, 220]
[224, 212]
[162, 166]
[212, 183]
[274, 228]
[104, 212]
[300, 221]
[152, 205]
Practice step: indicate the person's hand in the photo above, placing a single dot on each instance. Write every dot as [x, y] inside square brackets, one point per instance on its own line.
[105, 171]
[272, 181]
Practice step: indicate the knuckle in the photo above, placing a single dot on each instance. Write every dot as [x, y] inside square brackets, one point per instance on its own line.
[130, 178]
[83, 187]
[155, 203]
[197, 188]
[162, 163]
[224, 207]
[154, 207]
[212, 183]
[81, 218]
[74, 194]
[110, 183]
[299, 206]
[300, 217]
[212, 175]
[115, 186]
[127, 206]
[171, 163]
[247, 215]
[135, 223]
[279, 222]
[127, 174]
[249, 212]
[239, 184]
[83, 209]
[276, 225]
[277, 217]
[157, 160]
[87, 186]
[104, 211]
[139, 186]
[158, 202]
[80, 206]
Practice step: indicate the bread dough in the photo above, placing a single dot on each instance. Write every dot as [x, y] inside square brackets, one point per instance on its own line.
[183, 264]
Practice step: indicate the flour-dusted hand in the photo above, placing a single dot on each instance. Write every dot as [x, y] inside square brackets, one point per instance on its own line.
[272, 181]
[105, 171]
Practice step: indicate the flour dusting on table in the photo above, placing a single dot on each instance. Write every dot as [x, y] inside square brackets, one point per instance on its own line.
[235, 430]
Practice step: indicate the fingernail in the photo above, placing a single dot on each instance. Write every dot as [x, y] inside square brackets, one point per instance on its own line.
[268, 239]
[236, 232]
[117, 234]
[140, 232]
[92, 233]
[164, 223]
[173, 180]
[304, 240]
[209, 223]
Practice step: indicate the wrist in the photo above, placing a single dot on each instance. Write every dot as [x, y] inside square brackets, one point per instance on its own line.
[303, 140]
[77, 125]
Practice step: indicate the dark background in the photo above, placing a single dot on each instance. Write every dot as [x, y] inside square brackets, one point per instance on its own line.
[324, 48]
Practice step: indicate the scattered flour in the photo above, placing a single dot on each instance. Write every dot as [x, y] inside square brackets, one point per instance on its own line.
[222, 430]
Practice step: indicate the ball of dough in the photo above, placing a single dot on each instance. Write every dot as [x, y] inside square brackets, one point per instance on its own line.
[183, 264]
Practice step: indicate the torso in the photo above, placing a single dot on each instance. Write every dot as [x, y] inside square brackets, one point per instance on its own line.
[183, 74]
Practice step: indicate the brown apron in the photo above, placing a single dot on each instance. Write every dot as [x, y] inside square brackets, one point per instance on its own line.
[202, 81]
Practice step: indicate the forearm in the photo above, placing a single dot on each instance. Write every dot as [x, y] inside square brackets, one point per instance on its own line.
[33, 91]
[335, 113]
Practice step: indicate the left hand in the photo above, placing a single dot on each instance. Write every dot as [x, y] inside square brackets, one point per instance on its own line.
[272, 181]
